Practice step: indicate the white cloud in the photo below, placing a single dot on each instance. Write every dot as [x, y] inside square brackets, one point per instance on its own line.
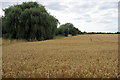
[87, 15]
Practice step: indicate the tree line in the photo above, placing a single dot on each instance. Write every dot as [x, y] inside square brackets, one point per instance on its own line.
[101, 32]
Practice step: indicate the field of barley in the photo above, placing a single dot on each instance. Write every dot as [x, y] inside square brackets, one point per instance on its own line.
[82, 56]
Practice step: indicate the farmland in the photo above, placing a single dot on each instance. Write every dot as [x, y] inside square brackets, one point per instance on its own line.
[82, 56]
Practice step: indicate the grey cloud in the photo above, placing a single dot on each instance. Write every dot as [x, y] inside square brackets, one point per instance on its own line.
[109, 16]
[82, 17]
[108, 5]
[85, 17]
[89, 21]
[105, 21]
[83, 8]
[108, 19]
[86, 5]
[56, 6]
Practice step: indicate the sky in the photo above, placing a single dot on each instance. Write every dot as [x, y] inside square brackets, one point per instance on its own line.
[86, 15]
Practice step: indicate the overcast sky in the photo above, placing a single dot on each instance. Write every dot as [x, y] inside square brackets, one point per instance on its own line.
[87, 15]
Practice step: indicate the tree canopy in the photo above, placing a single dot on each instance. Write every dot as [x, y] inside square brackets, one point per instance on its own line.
[29, 21]
[0, 26]
[68, 28]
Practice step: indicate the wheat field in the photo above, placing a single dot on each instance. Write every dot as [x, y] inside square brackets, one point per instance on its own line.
[82, 56]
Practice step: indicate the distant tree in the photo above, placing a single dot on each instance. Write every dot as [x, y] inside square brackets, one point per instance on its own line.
[29, 21]
[117, 32]
[68, 28]
[84, 32]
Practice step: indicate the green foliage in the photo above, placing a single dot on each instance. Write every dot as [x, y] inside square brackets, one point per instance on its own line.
[29, 21]
[67, 29]
[0, 26]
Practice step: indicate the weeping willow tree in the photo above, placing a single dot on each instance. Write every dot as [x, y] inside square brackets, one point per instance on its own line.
[29, 21]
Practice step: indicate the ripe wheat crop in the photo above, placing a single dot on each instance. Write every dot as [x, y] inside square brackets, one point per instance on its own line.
[82, 56]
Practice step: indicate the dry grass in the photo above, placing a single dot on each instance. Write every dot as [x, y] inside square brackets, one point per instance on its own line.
[9, 42]
[83, 56]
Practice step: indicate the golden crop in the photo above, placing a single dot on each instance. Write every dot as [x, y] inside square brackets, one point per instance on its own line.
[83, 56]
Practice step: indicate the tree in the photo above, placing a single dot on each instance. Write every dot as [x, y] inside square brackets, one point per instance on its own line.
[29, 21]
[0, 26]
[68, 28]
